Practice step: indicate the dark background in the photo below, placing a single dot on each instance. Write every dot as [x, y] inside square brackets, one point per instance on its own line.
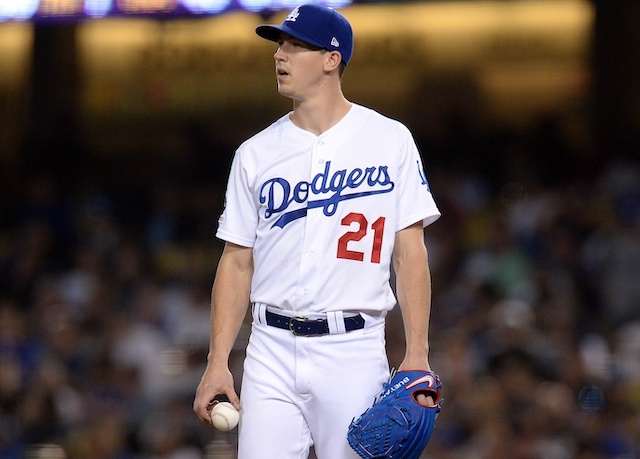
[106, 263]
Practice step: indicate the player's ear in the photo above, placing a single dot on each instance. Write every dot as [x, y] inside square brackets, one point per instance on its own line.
[332, 62]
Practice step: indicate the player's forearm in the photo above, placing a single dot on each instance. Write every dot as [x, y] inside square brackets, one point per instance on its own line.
[226, 319]
[229, 303]
[414, 297]
[413, 287]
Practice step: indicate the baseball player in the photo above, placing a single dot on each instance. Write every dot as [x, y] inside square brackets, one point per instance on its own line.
[318, 205]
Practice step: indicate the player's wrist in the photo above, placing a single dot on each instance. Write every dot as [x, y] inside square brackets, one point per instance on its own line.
[218, 360]
[415, 363]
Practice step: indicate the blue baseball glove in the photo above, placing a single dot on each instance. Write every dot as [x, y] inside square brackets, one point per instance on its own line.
[397, 426]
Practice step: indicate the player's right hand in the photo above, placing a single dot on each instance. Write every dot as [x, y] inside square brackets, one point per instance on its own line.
[215, 381]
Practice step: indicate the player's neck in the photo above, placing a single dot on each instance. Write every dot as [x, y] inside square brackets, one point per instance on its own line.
[318, 116]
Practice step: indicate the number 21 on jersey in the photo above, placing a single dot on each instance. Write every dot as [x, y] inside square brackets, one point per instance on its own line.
[355, 235]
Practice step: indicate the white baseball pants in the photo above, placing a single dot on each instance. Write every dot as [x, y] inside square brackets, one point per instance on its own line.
[302, 391]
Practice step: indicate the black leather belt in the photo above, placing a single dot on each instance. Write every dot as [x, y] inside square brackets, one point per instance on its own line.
[301, 326]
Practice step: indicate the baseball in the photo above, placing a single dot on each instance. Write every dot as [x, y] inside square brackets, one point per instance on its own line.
[224, 416]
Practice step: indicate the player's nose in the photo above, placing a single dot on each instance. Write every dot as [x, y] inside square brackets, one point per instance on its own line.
[279, 55]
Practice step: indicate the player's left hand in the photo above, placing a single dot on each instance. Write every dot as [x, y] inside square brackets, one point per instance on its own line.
[420, 365]
[396, 425]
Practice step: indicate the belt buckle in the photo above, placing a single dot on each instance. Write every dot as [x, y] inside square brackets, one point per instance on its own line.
[304, 320]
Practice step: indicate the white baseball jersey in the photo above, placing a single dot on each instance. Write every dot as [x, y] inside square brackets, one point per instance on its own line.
[321, 212]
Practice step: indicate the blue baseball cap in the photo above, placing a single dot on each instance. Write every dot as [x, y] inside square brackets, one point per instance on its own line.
[316, 25]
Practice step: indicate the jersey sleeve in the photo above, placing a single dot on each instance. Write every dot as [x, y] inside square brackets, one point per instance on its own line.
[415, 201]
[239, 219]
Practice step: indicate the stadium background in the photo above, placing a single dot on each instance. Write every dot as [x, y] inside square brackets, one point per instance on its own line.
[115, 142]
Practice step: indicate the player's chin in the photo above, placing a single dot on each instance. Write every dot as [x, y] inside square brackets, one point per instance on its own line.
[284, 90]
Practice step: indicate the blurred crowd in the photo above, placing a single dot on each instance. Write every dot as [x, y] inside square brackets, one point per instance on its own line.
[105, 278]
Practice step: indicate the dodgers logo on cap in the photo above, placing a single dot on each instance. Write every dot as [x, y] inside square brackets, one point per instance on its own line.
[317, 25]
[293, 15]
